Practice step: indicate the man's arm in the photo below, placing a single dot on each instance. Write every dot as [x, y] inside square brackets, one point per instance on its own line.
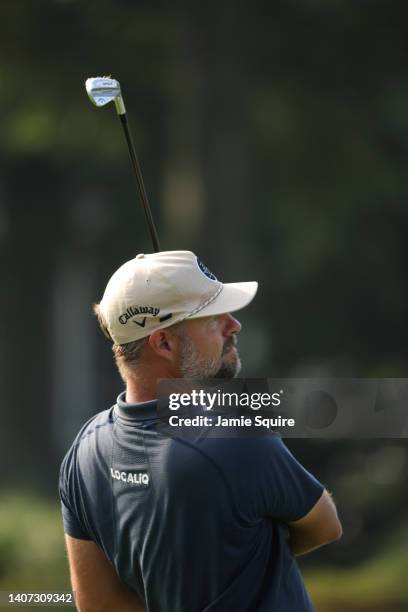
[95, 583]
[320, 526]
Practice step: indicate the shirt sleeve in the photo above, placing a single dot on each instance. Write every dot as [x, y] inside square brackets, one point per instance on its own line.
[73, 526]
[284, 490]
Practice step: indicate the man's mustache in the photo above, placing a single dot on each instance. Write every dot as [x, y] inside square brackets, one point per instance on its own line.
[232, 341]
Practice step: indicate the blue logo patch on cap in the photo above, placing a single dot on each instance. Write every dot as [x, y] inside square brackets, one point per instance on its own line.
[206, 271]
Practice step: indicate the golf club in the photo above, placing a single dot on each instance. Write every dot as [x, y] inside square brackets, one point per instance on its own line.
[101, 91]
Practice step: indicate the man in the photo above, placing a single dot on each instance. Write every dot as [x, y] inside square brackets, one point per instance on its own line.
[172, 525]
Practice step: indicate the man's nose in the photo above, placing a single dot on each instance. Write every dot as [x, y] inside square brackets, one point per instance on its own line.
[232, 325]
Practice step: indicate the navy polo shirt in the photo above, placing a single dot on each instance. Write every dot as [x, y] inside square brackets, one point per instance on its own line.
[190, 525]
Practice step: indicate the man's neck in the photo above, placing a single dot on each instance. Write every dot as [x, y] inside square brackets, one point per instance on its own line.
[141, 385]
[136, 393]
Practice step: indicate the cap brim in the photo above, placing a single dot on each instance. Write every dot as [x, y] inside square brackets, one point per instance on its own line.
[232, 297]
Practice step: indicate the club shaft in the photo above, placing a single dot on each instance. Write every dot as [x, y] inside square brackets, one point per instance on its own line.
[140, 183]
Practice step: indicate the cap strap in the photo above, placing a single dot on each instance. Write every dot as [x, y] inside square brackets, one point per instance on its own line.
[204, 304]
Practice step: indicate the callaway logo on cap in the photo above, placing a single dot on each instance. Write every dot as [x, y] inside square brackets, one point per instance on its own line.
[157, 290]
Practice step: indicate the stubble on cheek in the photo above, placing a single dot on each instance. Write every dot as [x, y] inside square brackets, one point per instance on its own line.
[194, 365]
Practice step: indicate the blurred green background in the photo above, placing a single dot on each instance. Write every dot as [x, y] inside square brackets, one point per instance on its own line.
[273, 139]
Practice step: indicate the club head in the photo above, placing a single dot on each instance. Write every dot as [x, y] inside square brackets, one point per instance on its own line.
[102, 90]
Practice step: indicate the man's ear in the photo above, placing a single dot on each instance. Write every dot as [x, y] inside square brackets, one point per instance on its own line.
[164, 344]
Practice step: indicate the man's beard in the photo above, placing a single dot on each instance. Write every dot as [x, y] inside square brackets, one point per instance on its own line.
[193, 366]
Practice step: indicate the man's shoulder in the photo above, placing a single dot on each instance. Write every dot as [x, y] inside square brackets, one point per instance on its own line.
[98, 424]
[94, 424]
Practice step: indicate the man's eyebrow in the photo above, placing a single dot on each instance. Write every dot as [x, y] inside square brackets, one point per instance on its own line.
[212, 318]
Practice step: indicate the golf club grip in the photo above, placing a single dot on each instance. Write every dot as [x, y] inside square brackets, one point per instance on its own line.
[140, 184]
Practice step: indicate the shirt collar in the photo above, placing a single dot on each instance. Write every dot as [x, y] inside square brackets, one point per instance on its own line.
[138, 412]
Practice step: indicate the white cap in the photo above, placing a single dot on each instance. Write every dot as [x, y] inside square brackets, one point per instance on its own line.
[157, 290]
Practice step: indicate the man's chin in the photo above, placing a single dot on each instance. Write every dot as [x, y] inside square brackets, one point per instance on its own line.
[229, 369]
